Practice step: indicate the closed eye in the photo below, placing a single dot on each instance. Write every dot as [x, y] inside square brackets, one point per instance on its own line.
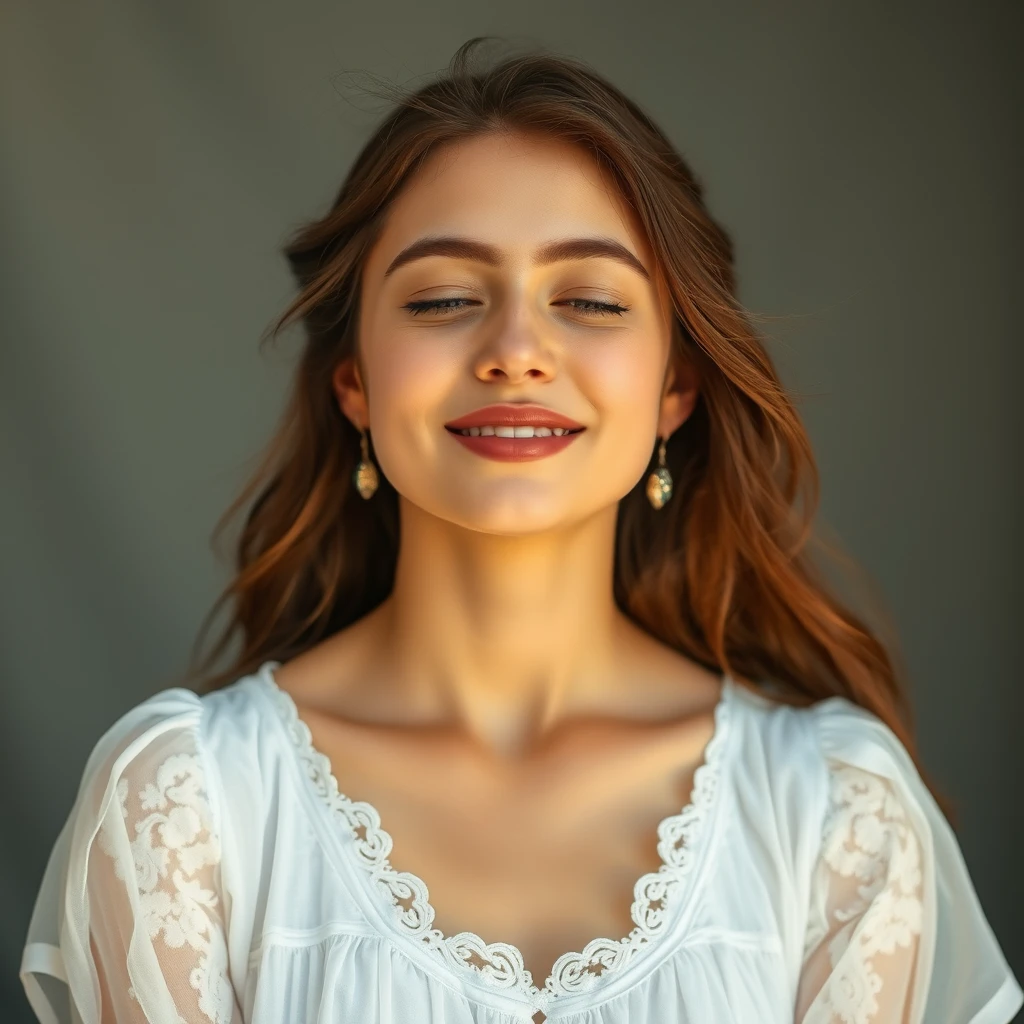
[588, 307]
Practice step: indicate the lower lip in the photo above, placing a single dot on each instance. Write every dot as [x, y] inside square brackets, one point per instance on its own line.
[515, 449]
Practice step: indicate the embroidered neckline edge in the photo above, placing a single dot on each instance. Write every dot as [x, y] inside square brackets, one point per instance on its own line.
[681, 835]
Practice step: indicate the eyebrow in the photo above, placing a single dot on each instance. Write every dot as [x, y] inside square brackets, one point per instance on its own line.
[461, 248]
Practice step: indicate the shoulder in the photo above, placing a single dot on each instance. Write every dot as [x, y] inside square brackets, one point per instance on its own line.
[804, 774]
[132, 749]
[178, 738]
[812, 744]
[181, 771]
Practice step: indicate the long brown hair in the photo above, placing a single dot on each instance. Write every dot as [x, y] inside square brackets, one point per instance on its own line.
[722, 573]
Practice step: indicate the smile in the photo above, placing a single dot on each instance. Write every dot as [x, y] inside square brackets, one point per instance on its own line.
[515, 444]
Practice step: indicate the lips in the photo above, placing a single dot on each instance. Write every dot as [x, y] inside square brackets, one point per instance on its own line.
[513, 415]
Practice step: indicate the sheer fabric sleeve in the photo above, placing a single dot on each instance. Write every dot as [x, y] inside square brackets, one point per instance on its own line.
[128, 924]
[896, 934]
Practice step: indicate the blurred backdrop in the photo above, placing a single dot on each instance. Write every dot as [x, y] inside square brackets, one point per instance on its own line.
[153, 157]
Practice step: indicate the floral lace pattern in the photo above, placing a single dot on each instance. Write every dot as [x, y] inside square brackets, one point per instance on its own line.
[173, 850]
[501, 964]
[871, 863]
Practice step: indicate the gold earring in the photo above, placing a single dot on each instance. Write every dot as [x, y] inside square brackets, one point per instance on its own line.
[659, 483]
[365, 477]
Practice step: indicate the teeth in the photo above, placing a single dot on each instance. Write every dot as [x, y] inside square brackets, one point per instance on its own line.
[514, 431]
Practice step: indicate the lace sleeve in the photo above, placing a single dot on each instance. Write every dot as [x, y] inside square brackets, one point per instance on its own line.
[864, 935]
[130, 915]
[154, 869]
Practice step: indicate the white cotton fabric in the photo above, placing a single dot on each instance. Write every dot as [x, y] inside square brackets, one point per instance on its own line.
[210, 870]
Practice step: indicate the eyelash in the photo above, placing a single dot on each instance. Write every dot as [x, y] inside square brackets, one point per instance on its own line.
[595, 308]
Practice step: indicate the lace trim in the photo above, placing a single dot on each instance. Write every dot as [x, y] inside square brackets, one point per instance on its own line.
[501, 964]
[172, 844]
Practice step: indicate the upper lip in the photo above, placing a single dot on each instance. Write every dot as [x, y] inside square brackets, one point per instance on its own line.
[507, 415]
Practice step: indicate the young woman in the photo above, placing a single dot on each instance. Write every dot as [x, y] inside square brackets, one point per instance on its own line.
[552, 645]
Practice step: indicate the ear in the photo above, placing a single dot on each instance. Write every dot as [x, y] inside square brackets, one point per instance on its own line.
[679, 396]
[347, 382]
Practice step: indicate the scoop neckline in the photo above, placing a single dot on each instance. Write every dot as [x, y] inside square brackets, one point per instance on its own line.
[401, 898]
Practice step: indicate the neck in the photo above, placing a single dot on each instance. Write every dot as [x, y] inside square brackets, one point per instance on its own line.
[500, 635]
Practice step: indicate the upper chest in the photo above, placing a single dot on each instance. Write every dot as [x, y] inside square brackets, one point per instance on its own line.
[543, 853]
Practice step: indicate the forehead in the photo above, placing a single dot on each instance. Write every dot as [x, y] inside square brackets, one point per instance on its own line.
[513, 190]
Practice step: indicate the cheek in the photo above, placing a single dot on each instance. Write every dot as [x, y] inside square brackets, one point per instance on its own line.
[411, 377]
[622, 380]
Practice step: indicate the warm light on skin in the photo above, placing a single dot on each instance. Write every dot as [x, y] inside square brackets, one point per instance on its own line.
[517, 342]
[498, 708]
[505, 568]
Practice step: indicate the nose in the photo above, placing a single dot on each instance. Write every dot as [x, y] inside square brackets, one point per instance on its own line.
[515, 349]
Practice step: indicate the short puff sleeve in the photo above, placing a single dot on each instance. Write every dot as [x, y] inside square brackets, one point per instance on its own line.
[895, 934]
[128, 924]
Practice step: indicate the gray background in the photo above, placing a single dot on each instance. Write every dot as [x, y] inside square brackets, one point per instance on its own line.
[154, 156]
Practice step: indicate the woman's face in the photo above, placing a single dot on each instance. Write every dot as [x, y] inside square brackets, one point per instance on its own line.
[500, 321]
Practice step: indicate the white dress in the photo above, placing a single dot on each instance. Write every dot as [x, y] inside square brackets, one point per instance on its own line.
[210, 870]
